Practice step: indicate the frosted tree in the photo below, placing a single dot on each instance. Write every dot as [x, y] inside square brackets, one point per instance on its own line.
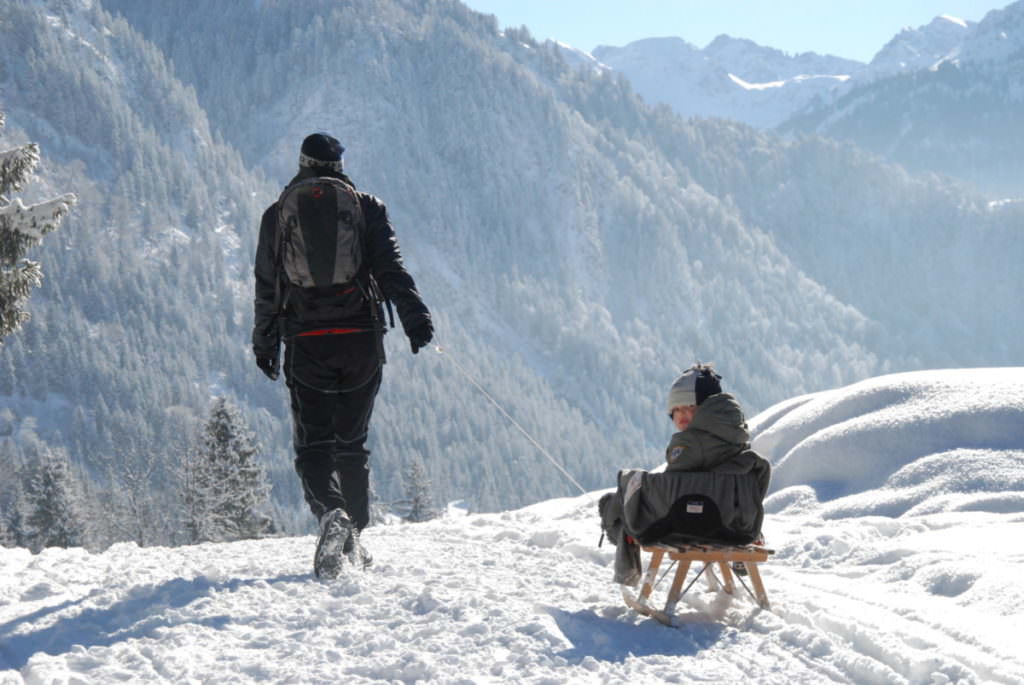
[56, 515]
[418, 503]
[135, 501]
[13, 525]
[7, 538]
[195, 497]
[10, 486]
[21, 228]
[11, 510]
[224, 491]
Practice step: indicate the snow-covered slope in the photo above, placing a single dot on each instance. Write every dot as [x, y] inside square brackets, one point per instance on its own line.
[941, 440]
[922, 595]
[998, 38]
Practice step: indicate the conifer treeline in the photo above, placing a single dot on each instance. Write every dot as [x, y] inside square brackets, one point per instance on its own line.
[216, 492]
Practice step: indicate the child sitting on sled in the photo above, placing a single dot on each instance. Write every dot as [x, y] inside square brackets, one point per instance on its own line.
[711, 490]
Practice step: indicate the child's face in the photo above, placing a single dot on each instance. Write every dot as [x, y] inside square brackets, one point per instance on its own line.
[681, 416]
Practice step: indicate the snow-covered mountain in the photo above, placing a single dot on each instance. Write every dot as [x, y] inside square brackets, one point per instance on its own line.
[738, 79]
[760, 64]
[730, 78]
[576, 247]
[960, 116]
[998, 39]
[942, 97]
[914, 49]
[909, 577]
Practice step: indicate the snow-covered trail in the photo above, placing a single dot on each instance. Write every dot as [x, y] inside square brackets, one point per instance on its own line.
[522, 596]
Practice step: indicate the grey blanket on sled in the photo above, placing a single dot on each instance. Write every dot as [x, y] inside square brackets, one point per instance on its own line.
[724, 505]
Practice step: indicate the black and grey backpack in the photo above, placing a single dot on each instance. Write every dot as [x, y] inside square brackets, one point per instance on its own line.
[320, 239]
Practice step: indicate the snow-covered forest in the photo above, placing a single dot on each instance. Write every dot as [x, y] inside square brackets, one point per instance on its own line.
[577, 247]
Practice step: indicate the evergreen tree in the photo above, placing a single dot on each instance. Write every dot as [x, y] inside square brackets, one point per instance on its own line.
[56, 514]
[224, 490]
[21, 228]
[418, 501]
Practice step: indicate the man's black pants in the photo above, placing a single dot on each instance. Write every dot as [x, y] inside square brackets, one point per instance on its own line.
[333, 381]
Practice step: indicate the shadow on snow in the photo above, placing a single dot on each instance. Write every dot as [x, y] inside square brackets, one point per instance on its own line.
[614, 640]
[139, 615]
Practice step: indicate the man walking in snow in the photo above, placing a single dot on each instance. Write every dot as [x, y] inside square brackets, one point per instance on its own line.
[326, 262]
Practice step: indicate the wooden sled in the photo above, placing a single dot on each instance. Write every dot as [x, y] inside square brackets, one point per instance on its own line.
[708, 554]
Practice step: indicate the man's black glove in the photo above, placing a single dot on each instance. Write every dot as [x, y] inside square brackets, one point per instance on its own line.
[420, 334]
[269, 366]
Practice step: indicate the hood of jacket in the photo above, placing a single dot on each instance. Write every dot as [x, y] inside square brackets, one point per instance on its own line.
[717, 433]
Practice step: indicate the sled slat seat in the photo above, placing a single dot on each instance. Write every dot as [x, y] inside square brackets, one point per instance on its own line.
[707, 554]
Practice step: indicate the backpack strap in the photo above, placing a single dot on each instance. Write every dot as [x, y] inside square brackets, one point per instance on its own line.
[282, 233]
[378, 296]
[278, 300]
[375, 297]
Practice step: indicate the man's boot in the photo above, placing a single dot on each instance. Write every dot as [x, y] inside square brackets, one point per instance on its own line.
[336, 533]
[354, 551]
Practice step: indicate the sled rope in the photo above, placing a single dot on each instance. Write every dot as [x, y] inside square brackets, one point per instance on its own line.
[441, 351]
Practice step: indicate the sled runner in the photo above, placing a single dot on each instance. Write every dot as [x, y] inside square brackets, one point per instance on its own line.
[746, 557]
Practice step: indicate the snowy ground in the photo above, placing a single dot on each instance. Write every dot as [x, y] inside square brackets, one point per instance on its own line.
[901, 573]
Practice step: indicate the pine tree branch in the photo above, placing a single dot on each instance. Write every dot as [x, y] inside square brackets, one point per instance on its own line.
[16, 165]
[35, 221]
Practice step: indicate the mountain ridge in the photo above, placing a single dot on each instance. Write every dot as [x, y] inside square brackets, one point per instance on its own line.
[769, 89]
[958, 117]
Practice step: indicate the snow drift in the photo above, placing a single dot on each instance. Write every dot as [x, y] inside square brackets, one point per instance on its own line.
[906, 443]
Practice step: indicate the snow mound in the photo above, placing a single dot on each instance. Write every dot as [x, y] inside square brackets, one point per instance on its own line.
[910, 443]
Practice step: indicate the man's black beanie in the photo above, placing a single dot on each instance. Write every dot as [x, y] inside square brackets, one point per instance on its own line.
[321, 150]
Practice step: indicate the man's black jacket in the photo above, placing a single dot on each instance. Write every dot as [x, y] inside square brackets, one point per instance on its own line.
[381, 258]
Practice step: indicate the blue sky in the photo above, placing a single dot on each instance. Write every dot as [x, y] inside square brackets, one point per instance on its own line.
[855, 29]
